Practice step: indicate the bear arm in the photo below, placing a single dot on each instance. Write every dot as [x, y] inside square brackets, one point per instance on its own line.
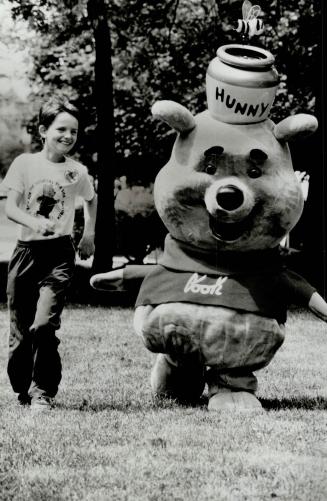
[318, 306]
[175, 115]
[296, 289]
[121, 279]
[295, 126]
[135, 272]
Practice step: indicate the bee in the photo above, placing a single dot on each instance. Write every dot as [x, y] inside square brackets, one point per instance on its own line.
[250, 24]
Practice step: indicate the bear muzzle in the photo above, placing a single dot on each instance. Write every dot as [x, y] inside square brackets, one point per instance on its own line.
[230, 204]
[229, 198]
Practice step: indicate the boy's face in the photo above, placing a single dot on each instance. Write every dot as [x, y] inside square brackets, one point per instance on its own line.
[61, 135]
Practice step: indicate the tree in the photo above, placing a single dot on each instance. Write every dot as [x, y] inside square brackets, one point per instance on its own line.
[161, 50]
[313, 154]
[14, 106]
[103, 90]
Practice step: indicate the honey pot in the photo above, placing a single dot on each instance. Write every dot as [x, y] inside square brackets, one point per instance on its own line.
[241, 84]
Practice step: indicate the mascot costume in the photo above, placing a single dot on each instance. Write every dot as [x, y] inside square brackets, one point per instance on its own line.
[214, 307]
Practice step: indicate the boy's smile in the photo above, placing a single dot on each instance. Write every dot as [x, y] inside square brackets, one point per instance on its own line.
[60, 136]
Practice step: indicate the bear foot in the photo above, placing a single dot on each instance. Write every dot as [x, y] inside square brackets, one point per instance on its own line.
[231, 400]
[184, 382]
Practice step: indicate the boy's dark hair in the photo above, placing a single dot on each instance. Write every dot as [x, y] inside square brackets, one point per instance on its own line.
[55, 105]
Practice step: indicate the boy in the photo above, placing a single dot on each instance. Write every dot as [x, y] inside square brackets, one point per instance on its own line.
[42, 188]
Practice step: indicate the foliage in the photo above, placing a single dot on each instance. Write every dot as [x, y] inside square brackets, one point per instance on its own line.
[161, 50]
[293, 36]
[14, 113]
[139, 229]
[63, 60]
[14, 108]
[108, 438]
[10, 147]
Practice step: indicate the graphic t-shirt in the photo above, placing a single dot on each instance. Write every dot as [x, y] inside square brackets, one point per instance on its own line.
[49, 190]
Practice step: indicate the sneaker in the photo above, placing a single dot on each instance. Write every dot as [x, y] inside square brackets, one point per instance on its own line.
[41, 404]
[24, 399]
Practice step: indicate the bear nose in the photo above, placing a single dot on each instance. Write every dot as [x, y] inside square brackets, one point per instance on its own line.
[229, 197]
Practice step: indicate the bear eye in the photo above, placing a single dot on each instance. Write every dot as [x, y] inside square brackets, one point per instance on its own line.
[210, 169]
[258, 156]
[254, 172]
[210, 159]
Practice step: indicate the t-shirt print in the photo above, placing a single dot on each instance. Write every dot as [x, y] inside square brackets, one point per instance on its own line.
[46, 198]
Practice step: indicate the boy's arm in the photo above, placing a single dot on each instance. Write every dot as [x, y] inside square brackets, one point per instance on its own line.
[40, 225]
[86, 244]
[318, 306]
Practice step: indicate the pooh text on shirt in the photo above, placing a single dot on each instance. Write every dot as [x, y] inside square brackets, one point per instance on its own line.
[196, 285]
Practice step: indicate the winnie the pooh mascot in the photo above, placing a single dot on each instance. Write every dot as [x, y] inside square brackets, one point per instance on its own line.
[214, 307]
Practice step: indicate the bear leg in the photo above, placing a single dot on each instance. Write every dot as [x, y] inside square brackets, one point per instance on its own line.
[231, 400]
[232, 390]
[183, 380]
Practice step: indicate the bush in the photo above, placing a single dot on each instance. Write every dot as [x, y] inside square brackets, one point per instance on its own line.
[139, 229]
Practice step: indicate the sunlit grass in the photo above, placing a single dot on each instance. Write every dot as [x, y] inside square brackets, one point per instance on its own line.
[108, 439]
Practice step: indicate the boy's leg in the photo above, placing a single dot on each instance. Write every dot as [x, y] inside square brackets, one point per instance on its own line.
[21, 292]
[20, 359]
[46, 374]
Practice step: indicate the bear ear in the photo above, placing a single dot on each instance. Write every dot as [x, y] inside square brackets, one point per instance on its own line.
[295, 126]
[175, 115]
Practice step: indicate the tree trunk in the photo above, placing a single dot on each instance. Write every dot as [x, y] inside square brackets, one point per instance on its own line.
[103, 91]
[315, 213]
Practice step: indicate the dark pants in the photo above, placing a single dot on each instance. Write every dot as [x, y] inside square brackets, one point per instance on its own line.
[38, 276]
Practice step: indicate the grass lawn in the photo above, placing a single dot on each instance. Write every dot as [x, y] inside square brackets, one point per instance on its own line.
[107, 439]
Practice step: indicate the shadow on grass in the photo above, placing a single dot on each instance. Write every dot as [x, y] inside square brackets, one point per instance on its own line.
[304, 403]
[131, 406]
[156, 403]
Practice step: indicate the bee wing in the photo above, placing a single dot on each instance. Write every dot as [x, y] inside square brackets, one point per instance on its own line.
[246, 7]
[253, 12]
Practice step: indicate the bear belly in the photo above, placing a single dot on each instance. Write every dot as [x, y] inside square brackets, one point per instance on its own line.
[223, 337]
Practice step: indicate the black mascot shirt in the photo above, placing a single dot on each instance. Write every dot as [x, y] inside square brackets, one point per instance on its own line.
[255, 281]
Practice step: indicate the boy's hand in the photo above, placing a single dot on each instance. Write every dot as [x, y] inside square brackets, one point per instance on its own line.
[86, 246]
